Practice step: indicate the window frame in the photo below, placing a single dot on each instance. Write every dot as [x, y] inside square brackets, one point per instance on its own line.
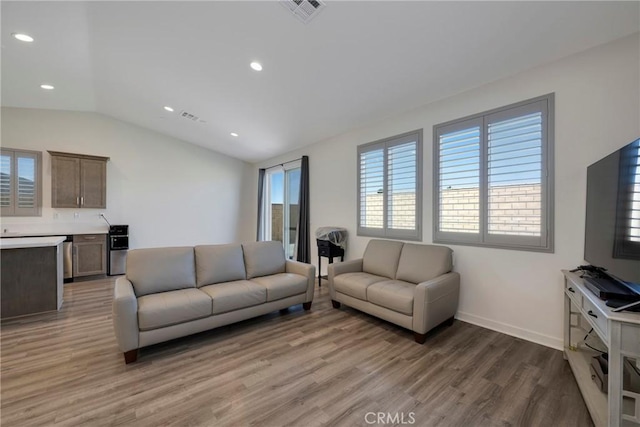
[385, 144]
[544, 243]
[14, 210]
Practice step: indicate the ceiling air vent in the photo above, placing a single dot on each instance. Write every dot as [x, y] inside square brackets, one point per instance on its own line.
[304, 10]
[187, 115]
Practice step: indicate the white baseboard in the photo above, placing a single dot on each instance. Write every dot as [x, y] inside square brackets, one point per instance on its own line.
[514, 331]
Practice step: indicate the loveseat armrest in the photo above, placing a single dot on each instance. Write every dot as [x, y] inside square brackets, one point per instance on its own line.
[125, 315]
[306, 270]
[337, 269]
[435, 301]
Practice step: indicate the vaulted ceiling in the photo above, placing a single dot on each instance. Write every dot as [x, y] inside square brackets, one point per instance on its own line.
[354, 63]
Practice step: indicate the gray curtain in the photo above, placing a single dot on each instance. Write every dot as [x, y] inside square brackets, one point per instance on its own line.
[303, 247]
[261, 173]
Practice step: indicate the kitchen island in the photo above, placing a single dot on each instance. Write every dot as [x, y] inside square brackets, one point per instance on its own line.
[32, 275]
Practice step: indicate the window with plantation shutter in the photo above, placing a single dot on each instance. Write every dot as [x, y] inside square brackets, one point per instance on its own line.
[493, 178]
[20, 182]
[389, 187]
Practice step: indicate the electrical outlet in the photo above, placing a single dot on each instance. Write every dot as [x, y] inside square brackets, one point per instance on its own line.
[55, 215]
[76, 215]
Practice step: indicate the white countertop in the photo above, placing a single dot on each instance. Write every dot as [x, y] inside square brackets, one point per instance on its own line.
[55, 232]
[30, 242]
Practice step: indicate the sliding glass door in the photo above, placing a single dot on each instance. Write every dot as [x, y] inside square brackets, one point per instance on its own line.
[282, 191]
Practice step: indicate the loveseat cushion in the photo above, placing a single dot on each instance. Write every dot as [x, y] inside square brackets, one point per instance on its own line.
[219, 263]
[355, 284]
[381, 258]
[231, 296]
[282, 285]
[173, 307]
[263, 258]
[155, 270]
[419, 263]
[395, 295]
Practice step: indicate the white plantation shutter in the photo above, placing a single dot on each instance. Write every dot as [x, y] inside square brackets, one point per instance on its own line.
[515, 176]
[25, 181]
[493, 178]
[389, 187]
[402, 186]
[20, 183]
[627, 240]
[6, 162]
[372, 188]
[459, 179]
[634, 211]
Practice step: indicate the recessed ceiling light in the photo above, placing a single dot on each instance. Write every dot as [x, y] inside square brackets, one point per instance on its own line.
[169, 109]
[234, 134]
[23, 37]
[256, 66]
[47, 87]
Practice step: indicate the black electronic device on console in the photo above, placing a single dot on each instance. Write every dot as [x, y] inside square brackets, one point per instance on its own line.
[623, 305]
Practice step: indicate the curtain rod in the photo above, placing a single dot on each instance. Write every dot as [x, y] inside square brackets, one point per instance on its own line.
[283, 163]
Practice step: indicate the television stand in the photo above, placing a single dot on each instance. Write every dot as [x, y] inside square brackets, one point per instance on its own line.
[620, 333]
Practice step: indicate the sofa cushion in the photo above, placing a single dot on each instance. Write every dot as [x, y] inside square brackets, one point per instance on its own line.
[282, 285]
[231, 296]
[160, 269]
[381, 258]
[419, 263]
[219, 263]
[395, 295]
[263, 258]
[173, 307]
[355, 284]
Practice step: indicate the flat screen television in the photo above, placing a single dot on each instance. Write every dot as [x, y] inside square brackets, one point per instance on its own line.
[612, 232]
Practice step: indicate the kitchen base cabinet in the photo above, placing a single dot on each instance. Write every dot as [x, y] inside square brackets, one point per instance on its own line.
[89, 254]
[31, 280]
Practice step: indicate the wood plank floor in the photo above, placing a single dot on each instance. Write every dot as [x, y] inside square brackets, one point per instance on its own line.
[323, 367]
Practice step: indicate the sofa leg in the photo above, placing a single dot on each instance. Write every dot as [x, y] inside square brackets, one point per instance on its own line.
[449, 321]
[306, 305]
[335, 304]
[130, 356]
[420, 338]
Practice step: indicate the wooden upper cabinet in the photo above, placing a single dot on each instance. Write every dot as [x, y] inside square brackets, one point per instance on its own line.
[93, 183]
[65, 182]
[78, 181]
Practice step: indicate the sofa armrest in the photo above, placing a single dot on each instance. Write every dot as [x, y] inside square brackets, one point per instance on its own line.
[125, 315]
[337, 269]
[306, 270]
[435, 301]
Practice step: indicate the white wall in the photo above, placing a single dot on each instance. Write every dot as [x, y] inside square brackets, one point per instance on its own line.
[169, 191]
[520, 293]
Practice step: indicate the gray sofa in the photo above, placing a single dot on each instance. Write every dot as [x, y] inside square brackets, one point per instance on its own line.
[407, 284]
[172, 292]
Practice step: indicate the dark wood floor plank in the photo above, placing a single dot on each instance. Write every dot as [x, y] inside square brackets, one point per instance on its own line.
[324, 367]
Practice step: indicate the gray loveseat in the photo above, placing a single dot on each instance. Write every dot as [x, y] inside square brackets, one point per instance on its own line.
[408, 284]
[172, 292]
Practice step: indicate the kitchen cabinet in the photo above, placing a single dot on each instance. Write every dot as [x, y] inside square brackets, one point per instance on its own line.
[78, 181]
[89, 254]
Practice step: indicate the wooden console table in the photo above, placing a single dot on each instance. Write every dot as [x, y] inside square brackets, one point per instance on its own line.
[620, 333]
